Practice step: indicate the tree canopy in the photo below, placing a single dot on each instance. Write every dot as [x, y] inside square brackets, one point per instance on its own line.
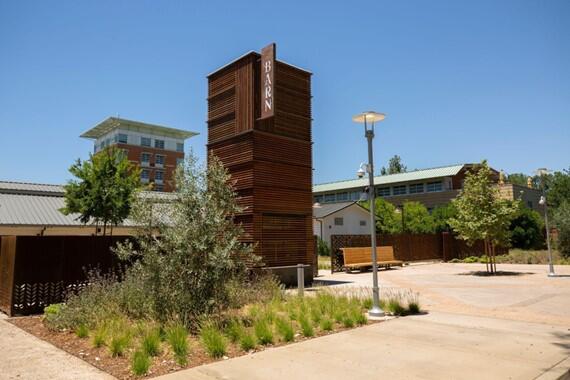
[395, 166]
[104, 188]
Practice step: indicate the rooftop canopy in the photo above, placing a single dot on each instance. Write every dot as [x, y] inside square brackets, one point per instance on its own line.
[112, 123]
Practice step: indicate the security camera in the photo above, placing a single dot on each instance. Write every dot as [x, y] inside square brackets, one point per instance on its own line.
[360, 172]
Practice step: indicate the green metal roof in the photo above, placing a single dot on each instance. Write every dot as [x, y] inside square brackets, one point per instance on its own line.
[415, 175]
[112, 123]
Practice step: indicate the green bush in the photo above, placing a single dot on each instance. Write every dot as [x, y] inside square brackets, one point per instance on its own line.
[263, 331]
[82, 331]
[395, 307]
[306, 326]
[323, 248]
[100, 336]
[526, 229]
[140, 363]
[562, 223]
[358, 316]
[235, 330]
[348, 321]
[119, 343]
[151, 342]
[177, 338]
[326, 324]
[414, 308]
[247, 341]
[213, 341]
[285, 329]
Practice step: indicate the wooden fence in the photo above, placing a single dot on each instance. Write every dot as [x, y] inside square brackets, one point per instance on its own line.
[36, 271]
[409, 247]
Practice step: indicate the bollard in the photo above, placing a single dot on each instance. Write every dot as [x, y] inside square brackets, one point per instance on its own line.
[301, 279]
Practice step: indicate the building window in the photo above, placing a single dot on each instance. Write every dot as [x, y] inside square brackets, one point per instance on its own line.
[383, 191]
[529, 204]
[355, 196]
[159, 175]
[123, 138]
[159, 159]
[434, 186]
[342, 197]
[338, 221]
[159, 144]
[318, 199]
[145, 158]
[330, 198]
[363, 223]
[180, 147]
[145, 175]
[145, 141]
[157, 187]
[416, 188]
[399, 190]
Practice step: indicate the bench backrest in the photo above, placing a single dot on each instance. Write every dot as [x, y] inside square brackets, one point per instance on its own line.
[356, 255]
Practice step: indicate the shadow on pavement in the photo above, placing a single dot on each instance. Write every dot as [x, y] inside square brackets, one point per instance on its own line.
[498, 273]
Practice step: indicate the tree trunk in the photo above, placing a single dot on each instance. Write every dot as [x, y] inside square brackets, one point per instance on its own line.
[494, 258]
[486, 255]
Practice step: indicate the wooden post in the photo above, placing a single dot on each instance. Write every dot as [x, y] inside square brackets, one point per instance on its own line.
[7, 267]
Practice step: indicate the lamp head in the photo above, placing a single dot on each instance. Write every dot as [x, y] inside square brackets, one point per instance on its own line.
[368, 117]
[542, 200]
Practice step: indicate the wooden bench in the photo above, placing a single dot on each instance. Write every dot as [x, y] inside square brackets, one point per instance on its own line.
[361, 257]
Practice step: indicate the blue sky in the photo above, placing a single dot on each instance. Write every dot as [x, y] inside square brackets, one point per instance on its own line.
[460, 81]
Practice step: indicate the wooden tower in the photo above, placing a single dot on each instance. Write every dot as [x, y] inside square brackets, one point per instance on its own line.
[259, 125]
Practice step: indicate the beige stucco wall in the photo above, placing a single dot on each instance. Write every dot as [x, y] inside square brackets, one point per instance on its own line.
[352, 215]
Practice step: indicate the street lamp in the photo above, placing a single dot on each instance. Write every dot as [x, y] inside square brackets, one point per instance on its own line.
[368, 119]
[541, 173]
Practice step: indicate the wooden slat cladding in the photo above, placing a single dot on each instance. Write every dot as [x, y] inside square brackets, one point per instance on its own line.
[269, 159]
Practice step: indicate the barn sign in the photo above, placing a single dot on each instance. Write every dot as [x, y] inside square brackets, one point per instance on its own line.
[267, 81]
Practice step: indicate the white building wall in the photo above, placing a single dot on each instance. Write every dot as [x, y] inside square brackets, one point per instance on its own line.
[352, 216]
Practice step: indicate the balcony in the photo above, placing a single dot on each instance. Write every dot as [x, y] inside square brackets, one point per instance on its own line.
[145, 164]
[158, 165]
[158, 181]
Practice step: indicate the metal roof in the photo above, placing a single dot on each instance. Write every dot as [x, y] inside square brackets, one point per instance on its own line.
[330, 208]
[30, 204]
[415, 175]
[30, 188]
[112, 123]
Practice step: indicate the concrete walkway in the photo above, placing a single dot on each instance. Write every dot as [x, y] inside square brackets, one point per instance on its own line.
[23, 357]
[433, 346]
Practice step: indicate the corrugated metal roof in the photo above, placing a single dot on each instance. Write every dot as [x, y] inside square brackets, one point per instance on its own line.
[30, 210]
[30, 188]
[112, 123]
[415, 175]
[330, 208]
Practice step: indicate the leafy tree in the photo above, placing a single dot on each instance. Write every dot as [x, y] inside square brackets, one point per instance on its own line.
[323, 248]
[188, 271]
[482, 214]
[395, 166]
[387, 220]
[527, 229]
[562, 223]
[104, 190]
[417, 218]
[558, 188]
[517, 179]
[441, 216]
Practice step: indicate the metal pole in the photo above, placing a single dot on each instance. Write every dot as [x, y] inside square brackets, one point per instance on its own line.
[550, 265]
[301, 279]
[376, 311]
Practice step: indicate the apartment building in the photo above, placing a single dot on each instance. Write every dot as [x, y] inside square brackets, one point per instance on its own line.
[156, 149]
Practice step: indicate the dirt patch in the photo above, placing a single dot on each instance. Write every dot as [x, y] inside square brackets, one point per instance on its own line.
[120, 367]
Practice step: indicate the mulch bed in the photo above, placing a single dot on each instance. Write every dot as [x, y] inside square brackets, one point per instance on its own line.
[120, 367]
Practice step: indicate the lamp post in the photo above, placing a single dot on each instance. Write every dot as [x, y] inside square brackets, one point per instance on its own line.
[542, 172]
[368, 119]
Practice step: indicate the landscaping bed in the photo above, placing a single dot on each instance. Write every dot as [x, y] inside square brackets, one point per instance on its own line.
[250, 329]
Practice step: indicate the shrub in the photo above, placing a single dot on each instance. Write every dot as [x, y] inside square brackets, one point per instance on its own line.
[395, 307]
[119, 343]
[358, 316]
[414, 308]
[187, 270]
[367, 303]
[316, 314]
[323, 248]
[140, 363]
[326, 324]
[263, 331]
[285, 329]
[82, 331]
[234, 330]
[562, 222]
[177, 335]
[247, 341]
[526, 229]
[306, 326]
[348, 321]
[100, 336]
[213, 341]
[151, 342]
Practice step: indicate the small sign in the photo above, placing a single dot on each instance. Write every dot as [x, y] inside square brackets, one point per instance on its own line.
[268, 81]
